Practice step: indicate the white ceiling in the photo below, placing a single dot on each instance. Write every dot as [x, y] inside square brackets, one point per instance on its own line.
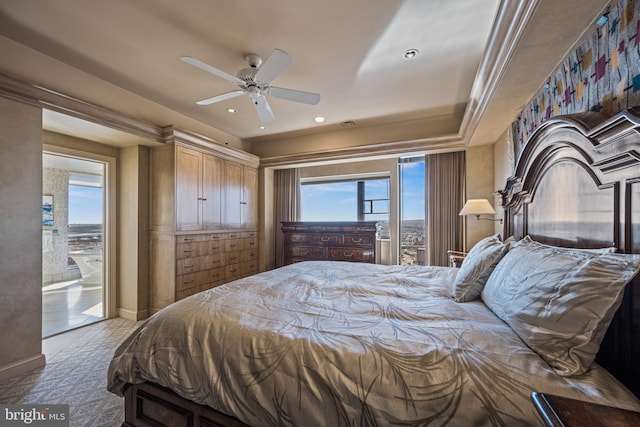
[350, 52]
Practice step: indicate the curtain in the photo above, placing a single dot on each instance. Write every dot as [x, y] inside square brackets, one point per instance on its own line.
[287, 204]
[445, 191]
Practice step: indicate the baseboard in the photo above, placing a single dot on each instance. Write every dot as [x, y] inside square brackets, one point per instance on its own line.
[133, 315]
[22, 367]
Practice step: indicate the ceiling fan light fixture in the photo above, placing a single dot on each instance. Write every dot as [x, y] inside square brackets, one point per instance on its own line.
[411, 53]
[319, 119]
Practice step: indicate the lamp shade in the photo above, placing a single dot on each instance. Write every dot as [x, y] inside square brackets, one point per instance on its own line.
[477, 207]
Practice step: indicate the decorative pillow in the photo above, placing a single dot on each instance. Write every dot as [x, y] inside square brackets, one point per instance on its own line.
[476, 268]
[559, 301]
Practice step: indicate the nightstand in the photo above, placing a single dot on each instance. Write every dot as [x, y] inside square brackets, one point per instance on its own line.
[456, 258]
[560, 411]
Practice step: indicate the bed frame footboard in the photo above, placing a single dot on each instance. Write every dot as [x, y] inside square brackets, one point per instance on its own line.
[149, 404]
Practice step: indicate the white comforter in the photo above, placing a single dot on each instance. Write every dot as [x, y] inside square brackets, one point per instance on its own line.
[348, 344]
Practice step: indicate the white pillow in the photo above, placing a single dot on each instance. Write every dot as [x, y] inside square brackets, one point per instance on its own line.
[476, 268]
[559, 301]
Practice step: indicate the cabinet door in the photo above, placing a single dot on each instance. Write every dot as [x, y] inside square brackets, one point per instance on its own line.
[250, 197]
[233, 194]
[211, 192]
[188, 190]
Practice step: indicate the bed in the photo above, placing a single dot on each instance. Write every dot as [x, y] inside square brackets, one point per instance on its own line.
[550, 309]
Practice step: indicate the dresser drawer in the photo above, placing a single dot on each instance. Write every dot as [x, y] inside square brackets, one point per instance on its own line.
[308, 252]
[189, 250]
[231, 245]
[234, 257]
[212, 275]
[188, 266]
[296, 238]
[212, 261]
[358, 239]
[350, 254]
[325, 239]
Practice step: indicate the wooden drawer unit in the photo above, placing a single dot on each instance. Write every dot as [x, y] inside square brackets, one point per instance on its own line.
[335, 241]
[204, 261]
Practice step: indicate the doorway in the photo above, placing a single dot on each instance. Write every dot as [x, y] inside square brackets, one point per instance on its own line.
[73, 242]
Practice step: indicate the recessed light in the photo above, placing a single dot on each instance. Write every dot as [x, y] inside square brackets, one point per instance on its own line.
[411, 53]
[262, 127]
[319, 119]
[231, 110]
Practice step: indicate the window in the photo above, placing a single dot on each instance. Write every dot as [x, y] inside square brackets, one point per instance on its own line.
[358, 199]
[411, 175]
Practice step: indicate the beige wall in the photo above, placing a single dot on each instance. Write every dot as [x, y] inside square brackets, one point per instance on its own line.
[133, 247]
[480, 185]
[20, 238]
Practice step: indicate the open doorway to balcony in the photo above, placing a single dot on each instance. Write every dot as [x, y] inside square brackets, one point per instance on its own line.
[73, 233]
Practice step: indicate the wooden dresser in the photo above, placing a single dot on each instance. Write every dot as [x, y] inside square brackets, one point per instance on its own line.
[329, 241]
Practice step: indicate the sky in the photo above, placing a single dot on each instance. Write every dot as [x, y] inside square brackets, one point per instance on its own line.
[337, 201]
[85, 205]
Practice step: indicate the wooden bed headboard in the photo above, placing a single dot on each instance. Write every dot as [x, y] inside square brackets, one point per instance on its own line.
[577, 184]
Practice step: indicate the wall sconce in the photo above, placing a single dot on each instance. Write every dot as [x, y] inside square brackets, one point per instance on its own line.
[479, 207]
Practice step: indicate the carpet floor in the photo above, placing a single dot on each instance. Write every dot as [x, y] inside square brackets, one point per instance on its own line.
[75, 374]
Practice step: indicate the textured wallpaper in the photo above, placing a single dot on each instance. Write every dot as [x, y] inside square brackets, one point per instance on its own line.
[602, 74]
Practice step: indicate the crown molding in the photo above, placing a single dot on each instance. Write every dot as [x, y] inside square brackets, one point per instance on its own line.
[36, 95]
[511, 21]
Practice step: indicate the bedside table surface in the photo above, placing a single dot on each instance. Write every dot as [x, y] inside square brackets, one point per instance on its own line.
[558, 411]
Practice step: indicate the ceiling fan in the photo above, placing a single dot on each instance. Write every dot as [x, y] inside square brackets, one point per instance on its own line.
[256, 81]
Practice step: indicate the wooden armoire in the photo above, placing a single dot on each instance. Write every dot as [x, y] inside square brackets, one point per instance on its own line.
[203, 216]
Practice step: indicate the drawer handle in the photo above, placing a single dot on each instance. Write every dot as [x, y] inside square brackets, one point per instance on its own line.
[356, 240]
[251, 243]
[188, 266]
[347, 254]
[324, 239]
[186, 251]
[303, 253]
[188, 239]
[233, 258]
[188, 281]
[232, 246]
[234, 270]
[215, 275]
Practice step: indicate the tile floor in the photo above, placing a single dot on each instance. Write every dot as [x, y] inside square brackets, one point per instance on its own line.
[68, 305]
[76, 374]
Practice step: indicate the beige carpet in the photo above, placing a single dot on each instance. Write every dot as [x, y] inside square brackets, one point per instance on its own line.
[75, 374]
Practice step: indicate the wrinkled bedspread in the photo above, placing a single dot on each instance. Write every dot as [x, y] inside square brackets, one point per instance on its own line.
[348, 344]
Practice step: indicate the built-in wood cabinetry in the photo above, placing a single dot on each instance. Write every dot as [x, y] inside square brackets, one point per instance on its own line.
[329, 241]
[204, 217]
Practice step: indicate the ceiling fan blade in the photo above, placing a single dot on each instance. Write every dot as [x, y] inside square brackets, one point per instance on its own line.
[263, 109]
[274, 65]
[294, 95]
[221, 97]
[210, 69]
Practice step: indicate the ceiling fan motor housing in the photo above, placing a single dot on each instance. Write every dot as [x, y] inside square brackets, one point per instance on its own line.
[247, 75]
